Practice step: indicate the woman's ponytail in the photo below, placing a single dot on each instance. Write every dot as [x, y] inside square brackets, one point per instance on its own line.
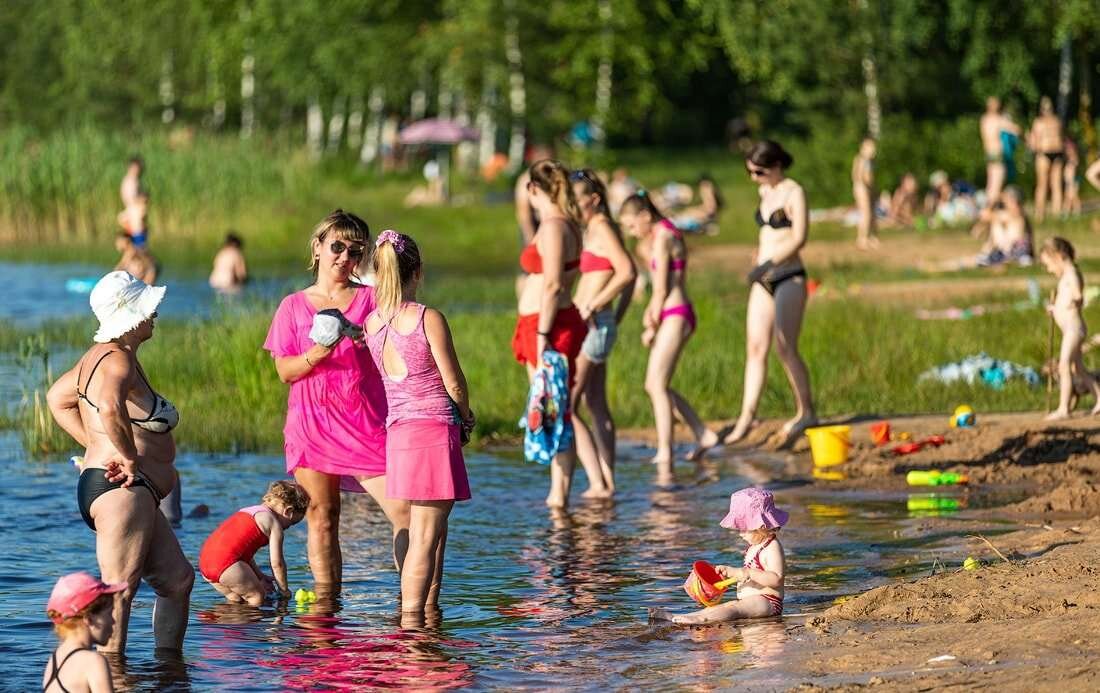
[553, 178]
[396, 262]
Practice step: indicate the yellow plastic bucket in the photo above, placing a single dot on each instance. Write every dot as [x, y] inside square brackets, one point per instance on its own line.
[829, 444]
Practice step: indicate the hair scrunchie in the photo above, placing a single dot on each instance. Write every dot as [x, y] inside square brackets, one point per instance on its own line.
[397, 240]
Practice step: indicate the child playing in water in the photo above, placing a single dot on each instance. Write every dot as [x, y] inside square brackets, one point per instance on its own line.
[227, 557]
[82, 610]
[760, 579]
[1058, 257]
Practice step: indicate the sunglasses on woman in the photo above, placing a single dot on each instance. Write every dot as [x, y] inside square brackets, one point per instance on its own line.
[354, 251]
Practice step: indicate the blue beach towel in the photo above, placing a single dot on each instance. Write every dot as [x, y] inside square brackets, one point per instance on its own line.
[546, 424]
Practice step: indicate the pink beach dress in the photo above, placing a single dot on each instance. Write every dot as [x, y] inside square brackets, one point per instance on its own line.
[423, 439]
[336, 414]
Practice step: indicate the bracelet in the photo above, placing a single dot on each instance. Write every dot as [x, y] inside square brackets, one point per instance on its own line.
[544, 334]
[311, 364]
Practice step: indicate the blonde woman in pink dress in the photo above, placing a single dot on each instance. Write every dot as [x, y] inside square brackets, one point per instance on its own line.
[429, 414]
[335, 435]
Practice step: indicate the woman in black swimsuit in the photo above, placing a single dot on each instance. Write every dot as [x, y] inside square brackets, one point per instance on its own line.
[777, 293]
[105, 402]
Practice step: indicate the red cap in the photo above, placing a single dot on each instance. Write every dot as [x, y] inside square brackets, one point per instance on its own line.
[75, 591]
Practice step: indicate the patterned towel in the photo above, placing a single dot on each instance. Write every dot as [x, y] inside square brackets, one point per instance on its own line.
[548, 428]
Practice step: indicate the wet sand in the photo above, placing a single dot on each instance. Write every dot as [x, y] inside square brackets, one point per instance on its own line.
[1026, 619]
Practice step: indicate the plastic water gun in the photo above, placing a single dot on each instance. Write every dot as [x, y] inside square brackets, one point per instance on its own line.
[934, 477]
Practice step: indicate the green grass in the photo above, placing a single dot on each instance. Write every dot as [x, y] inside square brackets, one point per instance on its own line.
[864, 359]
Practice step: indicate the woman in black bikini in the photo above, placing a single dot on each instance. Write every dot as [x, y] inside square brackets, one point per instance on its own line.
[777, 293]
[107, 405]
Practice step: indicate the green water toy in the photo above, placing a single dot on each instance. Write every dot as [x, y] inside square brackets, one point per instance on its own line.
[304, 596]
[934, 477]
[971, 563]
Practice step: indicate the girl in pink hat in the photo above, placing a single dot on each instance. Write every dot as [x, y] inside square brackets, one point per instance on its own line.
[82, 610]
[760, 578]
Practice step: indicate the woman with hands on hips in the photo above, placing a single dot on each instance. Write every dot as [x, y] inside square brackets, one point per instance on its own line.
[106, 403]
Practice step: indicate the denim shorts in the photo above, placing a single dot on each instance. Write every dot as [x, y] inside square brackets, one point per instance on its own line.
[602, 331]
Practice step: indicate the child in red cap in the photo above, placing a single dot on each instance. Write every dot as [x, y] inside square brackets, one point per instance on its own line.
[760, 579]
[82, 610]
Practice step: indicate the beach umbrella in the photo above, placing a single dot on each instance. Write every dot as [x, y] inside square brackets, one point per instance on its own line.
[441, 134]
[438, 131]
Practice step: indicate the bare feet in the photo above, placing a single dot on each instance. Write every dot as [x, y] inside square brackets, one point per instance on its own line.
[707, 443]
[791, 431]
[740, 430]
[555, 501]
[1059, 415]
[1095, 408]
[599, 494]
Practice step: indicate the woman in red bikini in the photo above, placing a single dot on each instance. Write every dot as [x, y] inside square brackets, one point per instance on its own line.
[777, 291]
[603, 295]
[669, 321]
[547, 317]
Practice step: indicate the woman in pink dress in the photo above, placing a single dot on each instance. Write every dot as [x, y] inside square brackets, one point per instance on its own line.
[429, 414]
[335, 435]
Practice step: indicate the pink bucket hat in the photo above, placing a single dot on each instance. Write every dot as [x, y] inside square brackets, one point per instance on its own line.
[753, 508]
[75, 591]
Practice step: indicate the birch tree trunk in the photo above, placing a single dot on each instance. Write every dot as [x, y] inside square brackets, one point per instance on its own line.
[248, 80]
[355, 122]
[486, 125]
[1065, 79]
[418, 104]
[336, 122]
[466, 154]
[167, 90]
[870, 74]
[517, 91]
[315, 128]
[603, 73]
[216, 94]
[369, 152]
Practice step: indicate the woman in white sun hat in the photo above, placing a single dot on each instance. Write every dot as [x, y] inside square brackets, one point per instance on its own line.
[105, 402]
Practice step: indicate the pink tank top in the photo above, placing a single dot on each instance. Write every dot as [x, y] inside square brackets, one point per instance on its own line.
[420, 394]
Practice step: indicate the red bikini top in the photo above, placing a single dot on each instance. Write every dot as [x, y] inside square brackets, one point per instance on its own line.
[591, 262]
[531, 261]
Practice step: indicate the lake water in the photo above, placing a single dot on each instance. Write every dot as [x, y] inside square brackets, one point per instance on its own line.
[531, 601]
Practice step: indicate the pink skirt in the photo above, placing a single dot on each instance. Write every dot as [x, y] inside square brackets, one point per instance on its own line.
[424, 462]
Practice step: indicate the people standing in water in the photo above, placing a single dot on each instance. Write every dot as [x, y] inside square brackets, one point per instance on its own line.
[131, 187]
[669, 321]
[105, 402]
[137, 261]
[134, 218]
[777, 291]
[227, 559]
[1059, 258]
[82, 611]
[997, 130]
[863, 189]
[429, 414]
[603, 294]
[1046, 140]
[230, 270]
[547, 317]
[335, 435]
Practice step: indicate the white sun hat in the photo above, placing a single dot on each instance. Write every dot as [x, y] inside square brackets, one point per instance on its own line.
[121, 302]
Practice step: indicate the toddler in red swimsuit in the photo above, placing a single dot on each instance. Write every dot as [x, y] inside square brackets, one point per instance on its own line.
[227, 557]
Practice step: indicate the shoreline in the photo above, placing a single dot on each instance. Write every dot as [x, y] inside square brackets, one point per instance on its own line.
[1021, 620]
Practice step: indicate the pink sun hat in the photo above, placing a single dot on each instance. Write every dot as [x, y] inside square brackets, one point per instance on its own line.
[753, 508]
[75, 591]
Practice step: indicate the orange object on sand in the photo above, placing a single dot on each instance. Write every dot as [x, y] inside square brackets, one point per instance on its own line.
[705, 585]
[880, 433]
[910, 448]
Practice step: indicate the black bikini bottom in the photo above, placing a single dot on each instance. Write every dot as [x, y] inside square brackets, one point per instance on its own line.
[772, 279]
[93, 484]
[1054, 157]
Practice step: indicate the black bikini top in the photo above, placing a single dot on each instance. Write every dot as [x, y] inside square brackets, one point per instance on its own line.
[55, 673]
[164, 415]
[778, 219]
